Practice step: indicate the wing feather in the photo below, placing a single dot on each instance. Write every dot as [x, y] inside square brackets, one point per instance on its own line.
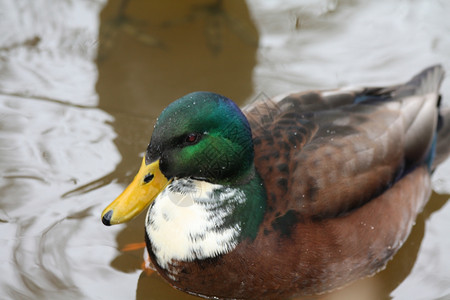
[333, 151]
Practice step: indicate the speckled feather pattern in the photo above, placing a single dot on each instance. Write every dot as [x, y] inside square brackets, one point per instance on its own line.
[345, 177]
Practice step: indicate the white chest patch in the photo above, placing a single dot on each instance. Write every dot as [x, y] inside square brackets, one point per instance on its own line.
[187, 221]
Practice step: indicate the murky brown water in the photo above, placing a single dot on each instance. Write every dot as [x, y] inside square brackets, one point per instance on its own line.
[73, 124]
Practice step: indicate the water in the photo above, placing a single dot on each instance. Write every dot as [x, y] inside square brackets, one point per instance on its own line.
[81, 83]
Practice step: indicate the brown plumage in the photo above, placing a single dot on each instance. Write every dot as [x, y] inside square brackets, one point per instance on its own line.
[346, 172]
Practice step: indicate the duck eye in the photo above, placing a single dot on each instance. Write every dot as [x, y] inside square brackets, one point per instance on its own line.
[191, 138]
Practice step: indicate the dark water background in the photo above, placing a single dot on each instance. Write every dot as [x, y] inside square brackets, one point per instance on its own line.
[82, 81]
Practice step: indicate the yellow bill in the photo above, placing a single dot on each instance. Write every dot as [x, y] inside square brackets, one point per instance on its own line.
[144, 188]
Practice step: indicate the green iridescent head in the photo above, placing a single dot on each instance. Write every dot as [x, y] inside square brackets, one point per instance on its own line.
[202, 135]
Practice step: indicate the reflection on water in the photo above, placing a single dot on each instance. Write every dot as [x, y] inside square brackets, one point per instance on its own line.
[52, 139]
[72, 128]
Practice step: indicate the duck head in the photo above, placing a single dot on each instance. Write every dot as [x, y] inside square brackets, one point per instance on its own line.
[202, 136]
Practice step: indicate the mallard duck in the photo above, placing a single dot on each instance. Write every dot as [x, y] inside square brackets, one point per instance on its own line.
[296, 195]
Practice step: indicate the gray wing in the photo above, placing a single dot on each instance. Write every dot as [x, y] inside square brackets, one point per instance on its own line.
[335, 150]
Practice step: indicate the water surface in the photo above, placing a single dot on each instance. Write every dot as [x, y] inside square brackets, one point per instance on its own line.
[81, 83]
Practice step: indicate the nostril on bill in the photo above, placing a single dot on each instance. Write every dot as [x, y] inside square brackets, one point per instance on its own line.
[148, 178]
